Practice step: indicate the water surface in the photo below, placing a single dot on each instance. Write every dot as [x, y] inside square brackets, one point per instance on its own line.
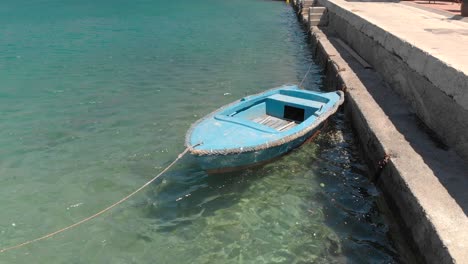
[95, 99]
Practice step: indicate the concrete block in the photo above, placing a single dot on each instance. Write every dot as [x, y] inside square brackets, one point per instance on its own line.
[317, 10]
[402, 64]
[443, 74]
[317, 16]
[398, 47]
[307, 3]
[417, 60]
[427, 212]
[314, 22]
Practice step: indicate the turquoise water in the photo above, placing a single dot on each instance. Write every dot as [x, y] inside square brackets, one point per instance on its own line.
[95, 99]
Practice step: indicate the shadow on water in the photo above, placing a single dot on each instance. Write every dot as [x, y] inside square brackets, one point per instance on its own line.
[350, 201]
[189, 194]
[314, 204]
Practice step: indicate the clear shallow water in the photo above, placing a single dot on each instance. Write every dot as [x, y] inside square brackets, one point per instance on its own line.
[95, 99]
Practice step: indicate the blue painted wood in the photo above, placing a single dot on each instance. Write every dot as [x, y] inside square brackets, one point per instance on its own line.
[231, 137]
[232, 162]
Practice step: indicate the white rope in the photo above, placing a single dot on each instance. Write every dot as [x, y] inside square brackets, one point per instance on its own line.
[307, 73]
[98, 213]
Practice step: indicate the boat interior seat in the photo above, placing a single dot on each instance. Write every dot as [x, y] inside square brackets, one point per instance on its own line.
[296, 100]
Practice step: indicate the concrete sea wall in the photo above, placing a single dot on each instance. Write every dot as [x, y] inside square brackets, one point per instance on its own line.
[391, 107]
[436, 91]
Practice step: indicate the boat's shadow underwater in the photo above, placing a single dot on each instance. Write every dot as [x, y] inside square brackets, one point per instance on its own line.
[339, 216]
[188, 193]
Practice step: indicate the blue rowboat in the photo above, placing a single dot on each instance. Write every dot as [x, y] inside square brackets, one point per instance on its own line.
[258, 128]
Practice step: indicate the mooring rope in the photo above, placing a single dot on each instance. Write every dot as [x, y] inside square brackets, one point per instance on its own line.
[307, 73]
[100, 212]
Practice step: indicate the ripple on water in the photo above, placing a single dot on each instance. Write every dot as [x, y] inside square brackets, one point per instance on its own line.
[314, 205]
[96, 99]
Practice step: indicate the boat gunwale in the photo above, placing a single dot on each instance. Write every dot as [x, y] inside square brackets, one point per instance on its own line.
[200, 152]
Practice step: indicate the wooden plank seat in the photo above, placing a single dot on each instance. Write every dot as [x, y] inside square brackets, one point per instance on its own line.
[274, 122]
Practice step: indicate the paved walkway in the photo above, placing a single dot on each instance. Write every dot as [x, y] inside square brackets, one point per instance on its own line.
[441, 36]
[450, 7]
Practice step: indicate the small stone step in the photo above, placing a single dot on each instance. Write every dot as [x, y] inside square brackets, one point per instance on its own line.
[314, 22]
[317, 9]
[307, 3]
[315, 16]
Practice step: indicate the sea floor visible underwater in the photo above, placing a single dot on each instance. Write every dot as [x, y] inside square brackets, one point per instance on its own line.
[95, 100]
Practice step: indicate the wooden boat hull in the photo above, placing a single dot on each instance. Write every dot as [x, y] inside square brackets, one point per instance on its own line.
[259, 128]
[233, 162]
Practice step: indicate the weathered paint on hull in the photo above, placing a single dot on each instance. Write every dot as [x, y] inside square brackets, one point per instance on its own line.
[234, 162]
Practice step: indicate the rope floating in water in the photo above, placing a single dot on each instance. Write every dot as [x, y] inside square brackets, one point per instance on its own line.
[100, 212]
